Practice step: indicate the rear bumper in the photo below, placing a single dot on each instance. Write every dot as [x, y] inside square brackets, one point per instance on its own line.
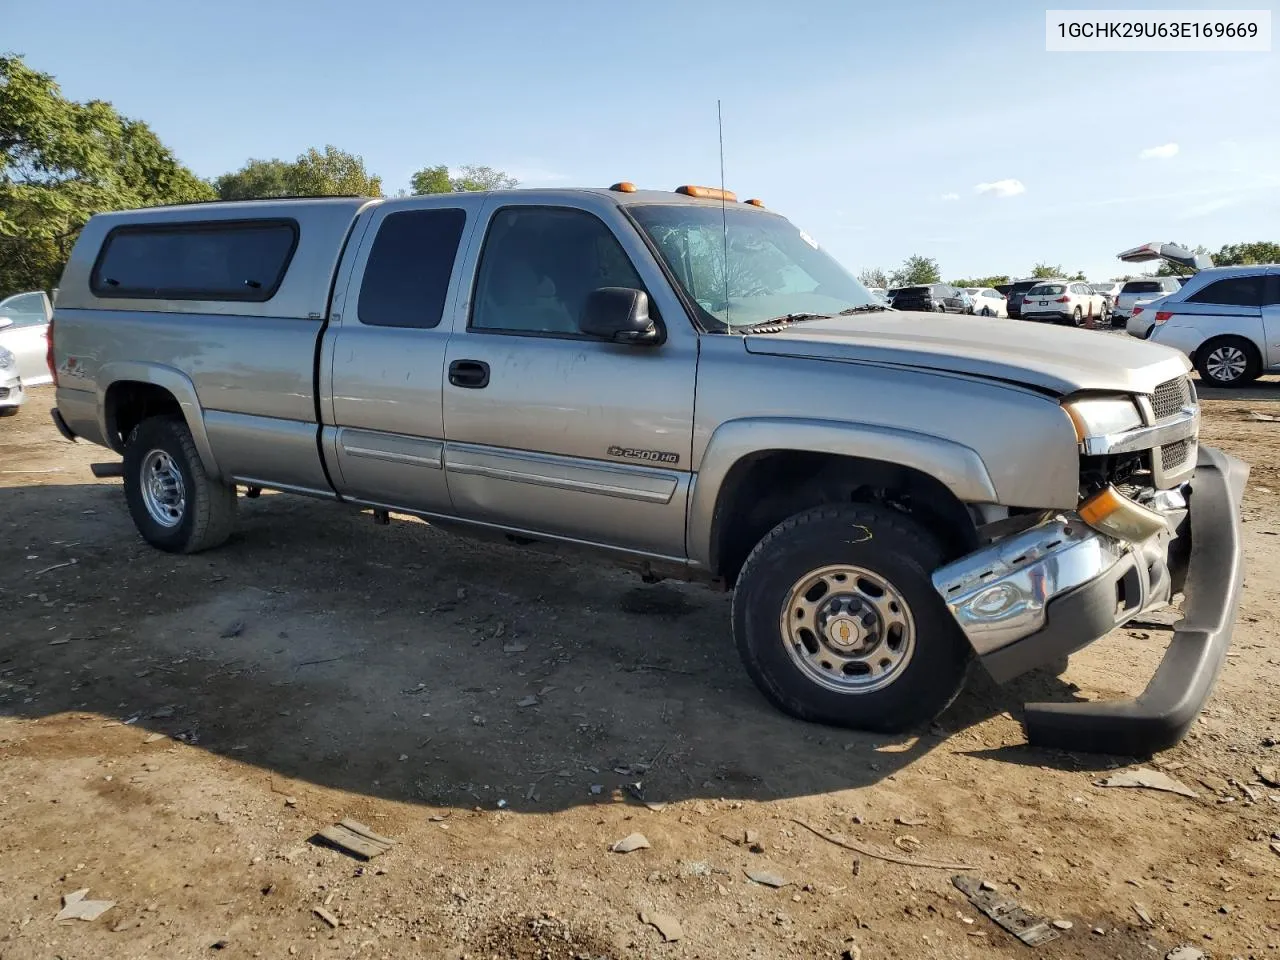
[1205, 558]
[1047, 316]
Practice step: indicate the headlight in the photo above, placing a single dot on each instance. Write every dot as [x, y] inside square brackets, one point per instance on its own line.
[1102, 416]
[6, 359]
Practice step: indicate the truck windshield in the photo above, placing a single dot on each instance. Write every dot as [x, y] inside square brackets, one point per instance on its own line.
[774, 269]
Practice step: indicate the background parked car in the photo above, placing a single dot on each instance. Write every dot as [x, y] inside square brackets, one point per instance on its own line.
[1017, 290]
[1134, 290]
[11, 392]
[1108, 291]
[987, 301]
[932, 297]
[881, 294]
[1227, 320]
[24, 329]
[1064, 301]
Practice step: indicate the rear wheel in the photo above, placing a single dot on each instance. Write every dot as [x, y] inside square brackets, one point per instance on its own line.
[986, 311]
[1077, 317]
[9, 411]
[175, 504]
[1228, 361]
[837, 620]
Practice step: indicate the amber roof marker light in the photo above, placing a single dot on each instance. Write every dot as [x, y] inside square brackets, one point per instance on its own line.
[624, 186]
[707, 193]
[755, 202]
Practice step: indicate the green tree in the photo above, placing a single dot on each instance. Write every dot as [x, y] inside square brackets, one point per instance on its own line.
[874, 277]
[62, 161]
[328, 173]
[992, 281]
[470, 178]
[1046, 271]
[256, 180]
[916, 270]
[1233, 254]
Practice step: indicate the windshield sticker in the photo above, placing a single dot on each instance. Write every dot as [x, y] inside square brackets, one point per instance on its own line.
[809, 240]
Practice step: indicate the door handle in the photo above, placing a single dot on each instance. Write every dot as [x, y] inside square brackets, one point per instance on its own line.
[472, 374]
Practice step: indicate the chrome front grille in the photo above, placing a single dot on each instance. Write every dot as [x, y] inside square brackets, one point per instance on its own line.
[1170, 397]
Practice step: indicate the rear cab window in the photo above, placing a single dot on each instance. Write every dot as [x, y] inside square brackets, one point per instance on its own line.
[406, 279]
[210, 260]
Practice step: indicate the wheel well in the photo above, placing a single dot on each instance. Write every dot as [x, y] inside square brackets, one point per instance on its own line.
[764, 489]
[129, 402]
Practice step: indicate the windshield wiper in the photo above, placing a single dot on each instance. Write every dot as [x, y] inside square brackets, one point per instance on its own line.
[777, 323]
[864, 308]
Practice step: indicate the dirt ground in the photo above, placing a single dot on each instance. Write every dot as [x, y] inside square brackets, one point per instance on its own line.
[174, 730]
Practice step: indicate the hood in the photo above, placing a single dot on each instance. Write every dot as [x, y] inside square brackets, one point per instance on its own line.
[1060, 360]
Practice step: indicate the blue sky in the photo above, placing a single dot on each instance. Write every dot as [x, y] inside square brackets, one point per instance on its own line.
[871, 126]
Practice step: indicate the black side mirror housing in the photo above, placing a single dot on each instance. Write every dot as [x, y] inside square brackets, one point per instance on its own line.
[619, 315]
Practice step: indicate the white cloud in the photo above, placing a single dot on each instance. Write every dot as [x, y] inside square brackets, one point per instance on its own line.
[1002, 188]
[1162, 152]
[951, 196]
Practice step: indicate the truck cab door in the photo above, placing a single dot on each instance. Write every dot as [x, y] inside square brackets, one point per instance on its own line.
[549, 430]
[382, 360]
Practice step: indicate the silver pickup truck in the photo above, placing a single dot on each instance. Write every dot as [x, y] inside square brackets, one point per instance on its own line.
[687, 382]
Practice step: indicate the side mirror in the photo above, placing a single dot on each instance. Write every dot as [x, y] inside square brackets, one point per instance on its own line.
[6, 322]
[620, 315]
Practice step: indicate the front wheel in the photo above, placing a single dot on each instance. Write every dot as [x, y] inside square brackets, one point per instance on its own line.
[986, 311]
[939, 308]
[837, 620]
[175, 504]
[9, 411]
[1228, 362]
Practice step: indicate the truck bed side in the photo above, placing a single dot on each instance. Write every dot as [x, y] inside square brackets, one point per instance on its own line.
[241, 372]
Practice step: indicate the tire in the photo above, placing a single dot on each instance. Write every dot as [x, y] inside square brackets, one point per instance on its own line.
[986, 311]
[1077, 317]
[163, 477]
[9, 411]
[939, 308]
[875, 547]
[1228, 362]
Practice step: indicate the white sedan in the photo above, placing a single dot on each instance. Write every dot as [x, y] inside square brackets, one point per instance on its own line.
[988, 302]
[1064, 301]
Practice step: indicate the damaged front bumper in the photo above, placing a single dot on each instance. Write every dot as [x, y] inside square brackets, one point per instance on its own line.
[1035, 597]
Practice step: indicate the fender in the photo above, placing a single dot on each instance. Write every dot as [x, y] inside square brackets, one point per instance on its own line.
[956, 466]
[171, 379]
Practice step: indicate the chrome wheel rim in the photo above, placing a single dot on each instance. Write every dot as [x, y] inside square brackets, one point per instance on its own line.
[848, 629]
[1226, 364]
[163, 492]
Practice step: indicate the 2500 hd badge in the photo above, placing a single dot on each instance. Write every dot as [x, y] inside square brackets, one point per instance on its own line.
[649, 456]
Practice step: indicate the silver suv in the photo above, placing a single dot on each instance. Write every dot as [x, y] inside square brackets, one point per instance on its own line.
[689, 384]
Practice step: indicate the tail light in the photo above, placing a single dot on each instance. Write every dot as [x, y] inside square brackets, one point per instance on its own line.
[1163, 315]
[1063, 299]
[48, 355]
[1138, 310]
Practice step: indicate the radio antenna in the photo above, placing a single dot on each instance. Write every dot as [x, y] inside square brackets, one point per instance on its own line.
[724, 216]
